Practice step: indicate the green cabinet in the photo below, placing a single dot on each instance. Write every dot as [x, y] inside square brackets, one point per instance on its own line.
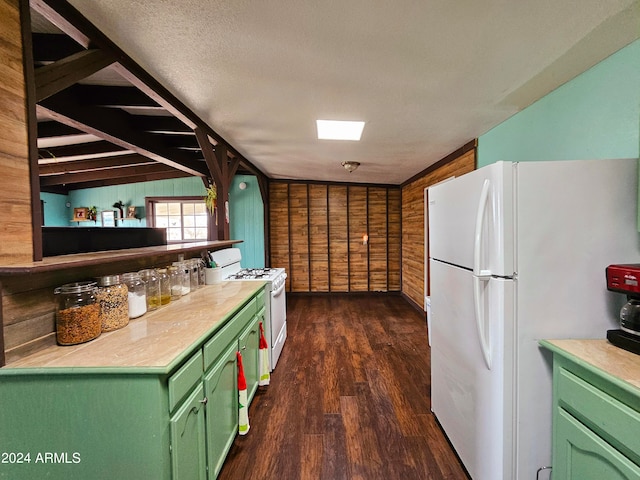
[596, 420]
[149, 422]
[188, 452]
[221, 390]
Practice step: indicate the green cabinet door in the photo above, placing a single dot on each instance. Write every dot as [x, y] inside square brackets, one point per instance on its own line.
[583, 455]
[188, 452]
[249, 345]
[221, 390]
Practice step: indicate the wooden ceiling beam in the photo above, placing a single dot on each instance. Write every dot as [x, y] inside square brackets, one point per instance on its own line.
[122, 172]
[71, 21]
[77, 166]
[59, 75]
[79, 149]
[114, 126]
[150, 177]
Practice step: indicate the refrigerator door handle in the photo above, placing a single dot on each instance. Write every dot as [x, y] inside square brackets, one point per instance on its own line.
[479, 301]
[477, 240]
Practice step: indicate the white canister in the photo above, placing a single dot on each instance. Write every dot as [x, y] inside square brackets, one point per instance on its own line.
[212, 275]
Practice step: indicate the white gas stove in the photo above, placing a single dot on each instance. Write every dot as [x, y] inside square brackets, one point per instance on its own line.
[275, 326]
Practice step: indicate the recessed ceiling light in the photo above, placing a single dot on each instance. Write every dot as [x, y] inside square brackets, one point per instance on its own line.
[339, 130]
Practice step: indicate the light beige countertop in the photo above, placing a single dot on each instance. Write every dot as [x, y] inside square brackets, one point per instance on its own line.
[604, 356]
[157, 340]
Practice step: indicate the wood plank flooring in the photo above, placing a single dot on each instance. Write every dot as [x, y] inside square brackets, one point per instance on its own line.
[349, 398]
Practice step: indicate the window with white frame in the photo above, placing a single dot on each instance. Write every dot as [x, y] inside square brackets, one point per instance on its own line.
[186, 219]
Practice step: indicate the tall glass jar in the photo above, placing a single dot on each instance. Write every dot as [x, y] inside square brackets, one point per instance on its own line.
[194, 275]
[201, 279]
[175, 278]
[112, 295]
[137, 294]
[185, 276]
[77, 313]
[165, 285]
[152, 283]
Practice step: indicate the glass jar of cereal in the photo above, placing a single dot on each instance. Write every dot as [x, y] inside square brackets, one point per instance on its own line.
[77, 313]
[114, 305]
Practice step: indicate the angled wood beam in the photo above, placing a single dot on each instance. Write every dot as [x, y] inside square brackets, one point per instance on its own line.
[52, 12]
[59, 75]
[113, 125]
[213, 165]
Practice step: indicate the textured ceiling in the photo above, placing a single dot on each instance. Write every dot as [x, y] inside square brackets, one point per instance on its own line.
[427, 76]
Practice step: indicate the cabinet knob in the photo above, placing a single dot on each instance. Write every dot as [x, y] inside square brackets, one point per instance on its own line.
[204, 401]
[244, 347]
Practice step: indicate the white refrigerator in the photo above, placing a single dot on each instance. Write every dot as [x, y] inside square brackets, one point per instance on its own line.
[518, 253]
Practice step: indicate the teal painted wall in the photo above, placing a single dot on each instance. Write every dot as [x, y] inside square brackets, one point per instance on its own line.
[595, 115]
[56, 213]
[246, 220]
[131, 194]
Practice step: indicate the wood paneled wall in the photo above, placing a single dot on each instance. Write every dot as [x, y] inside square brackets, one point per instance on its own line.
[414, 250]
[15, 183]
[317, 235]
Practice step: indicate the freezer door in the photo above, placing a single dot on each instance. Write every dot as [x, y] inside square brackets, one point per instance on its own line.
[472, 402]
[471, 220]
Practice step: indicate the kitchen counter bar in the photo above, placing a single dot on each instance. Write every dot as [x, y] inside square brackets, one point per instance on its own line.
[61, 262]
[153, 343]
[602, 355]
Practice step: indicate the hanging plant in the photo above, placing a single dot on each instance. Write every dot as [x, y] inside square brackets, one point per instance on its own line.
[210, 199]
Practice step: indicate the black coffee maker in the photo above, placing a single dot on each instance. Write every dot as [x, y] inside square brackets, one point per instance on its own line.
[626, 279]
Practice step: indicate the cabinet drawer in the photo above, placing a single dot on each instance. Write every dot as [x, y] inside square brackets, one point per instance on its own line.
[227, 334]
[616, 422]
[183, 381]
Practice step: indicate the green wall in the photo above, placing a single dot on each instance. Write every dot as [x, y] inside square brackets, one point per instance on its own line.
[595, 115]
[246, 220]
[56, 213]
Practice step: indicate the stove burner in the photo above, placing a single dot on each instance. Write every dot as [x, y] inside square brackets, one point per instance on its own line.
[253, 273]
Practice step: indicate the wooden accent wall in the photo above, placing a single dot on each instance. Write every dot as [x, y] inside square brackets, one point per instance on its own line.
[317, 234]
[414, 251]
[15, 182]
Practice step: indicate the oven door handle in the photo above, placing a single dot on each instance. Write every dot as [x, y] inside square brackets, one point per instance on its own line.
[279, 290]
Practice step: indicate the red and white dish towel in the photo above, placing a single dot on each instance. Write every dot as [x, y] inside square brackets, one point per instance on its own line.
[243, 404]
[263, 352]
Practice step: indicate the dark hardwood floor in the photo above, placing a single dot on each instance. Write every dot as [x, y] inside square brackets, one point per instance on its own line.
[349, 398]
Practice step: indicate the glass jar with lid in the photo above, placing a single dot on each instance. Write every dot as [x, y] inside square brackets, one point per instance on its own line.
[112, 295]
[152, 284]
[77, 313]
[137, 294]
[175, 277]
[165, 285]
